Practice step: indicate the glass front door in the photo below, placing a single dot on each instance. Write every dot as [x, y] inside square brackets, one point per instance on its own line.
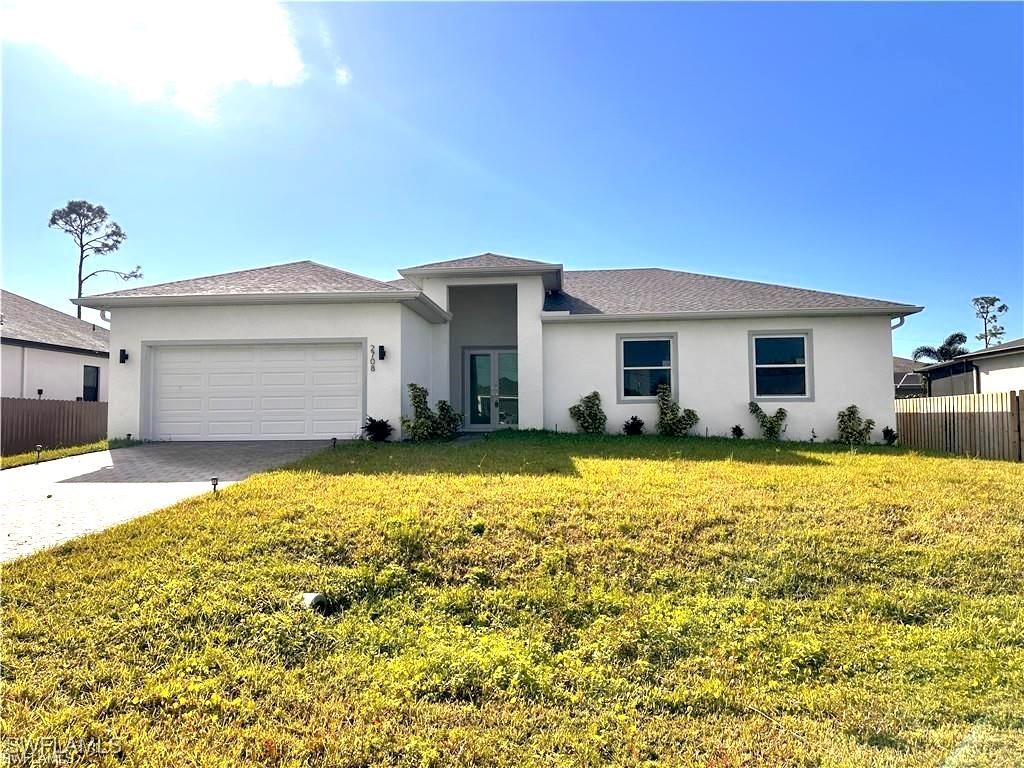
[492, 389]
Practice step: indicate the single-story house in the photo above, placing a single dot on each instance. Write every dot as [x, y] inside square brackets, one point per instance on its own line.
[999, 368]
[304, 350]
[49, 354]
[906, 379]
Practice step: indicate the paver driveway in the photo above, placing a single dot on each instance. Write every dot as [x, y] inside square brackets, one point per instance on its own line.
[52, 502]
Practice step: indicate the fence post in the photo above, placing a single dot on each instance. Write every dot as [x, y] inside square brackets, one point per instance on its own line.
[1017, 425]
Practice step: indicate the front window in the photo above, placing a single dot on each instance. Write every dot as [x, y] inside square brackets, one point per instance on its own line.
[780, 366]
[646, 364]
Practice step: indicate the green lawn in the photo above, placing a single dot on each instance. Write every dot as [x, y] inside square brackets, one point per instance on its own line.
[20, 459]
[544, 600]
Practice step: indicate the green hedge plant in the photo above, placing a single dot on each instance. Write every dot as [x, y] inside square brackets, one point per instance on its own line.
[772, 426]
[589, 415]
[852, 427]
[673, 421]
[427, 425]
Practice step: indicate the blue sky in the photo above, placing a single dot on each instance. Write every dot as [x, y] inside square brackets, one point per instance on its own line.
[870, 149]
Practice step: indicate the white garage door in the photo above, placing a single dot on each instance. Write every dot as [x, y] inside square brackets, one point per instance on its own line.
[257, 392]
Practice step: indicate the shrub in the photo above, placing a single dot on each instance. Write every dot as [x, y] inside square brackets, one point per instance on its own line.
[425, 424]
[737, 431]
[588, 414]
[672, 421]
[890, 436]
[773, 426]
[377, 430]
[634, 426]
[853, 428]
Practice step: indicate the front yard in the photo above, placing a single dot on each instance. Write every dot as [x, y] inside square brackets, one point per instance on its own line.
[550, 600]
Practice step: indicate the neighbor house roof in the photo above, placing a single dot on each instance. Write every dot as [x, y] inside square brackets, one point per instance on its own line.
[29, 322]
[1012, 347]
[616, 292]
[904, 373]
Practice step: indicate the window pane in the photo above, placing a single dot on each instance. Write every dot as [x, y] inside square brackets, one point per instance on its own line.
[636, 354]
[480, 389]
[781, 381]
[508, 411]
[644, 383]
[508, 374]
[779, 350]
[91, 383]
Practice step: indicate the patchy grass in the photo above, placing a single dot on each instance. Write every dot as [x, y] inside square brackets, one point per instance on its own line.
[20, 459]
[544, 600]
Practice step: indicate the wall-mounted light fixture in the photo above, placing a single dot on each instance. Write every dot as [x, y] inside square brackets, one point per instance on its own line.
[122, 356]
[381, 352]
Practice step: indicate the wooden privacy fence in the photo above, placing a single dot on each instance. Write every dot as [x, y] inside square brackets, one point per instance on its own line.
[989, 425]
[25, 423]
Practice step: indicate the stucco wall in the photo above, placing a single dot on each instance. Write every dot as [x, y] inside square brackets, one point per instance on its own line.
[852, 363]
[59, 374]
[417, 357]
[130, 329]
[1001, 374]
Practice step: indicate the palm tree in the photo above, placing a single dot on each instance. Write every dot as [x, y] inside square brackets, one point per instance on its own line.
[952, 347]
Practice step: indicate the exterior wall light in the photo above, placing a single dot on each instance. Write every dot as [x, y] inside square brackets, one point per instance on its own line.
[122, 356]
[381, 352]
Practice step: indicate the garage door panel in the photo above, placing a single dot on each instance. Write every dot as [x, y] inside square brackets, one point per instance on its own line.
[225, 429]
[244, 404]
[326, 378]
[257, 392]
[243, 379]
[283, 379]
[278, 403]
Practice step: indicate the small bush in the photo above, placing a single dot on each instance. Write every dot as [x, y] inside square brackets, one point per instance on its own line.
[634, 426]
[890, 436]
[852, 427]
[737, 431]
[588, 414]
[773, 426]
[425, 424]
[672, 421]
[377, 430]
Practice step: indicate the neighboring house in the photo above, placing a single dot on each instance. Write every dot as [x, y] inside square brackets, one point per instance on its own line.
[999, 368]
[50, 354]
[304, 350]
[908, 382]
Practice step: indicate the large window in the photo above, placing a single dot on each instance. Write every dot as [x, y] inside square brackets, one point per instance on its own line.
[646, 364]
[91, 383]
[781, 365]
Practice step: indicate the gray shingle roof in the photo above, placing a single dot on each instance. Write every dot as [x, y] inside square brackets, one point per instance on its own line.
[484, 261]
[653, 291]
[297, 277]
[996, 349]
[26, 320]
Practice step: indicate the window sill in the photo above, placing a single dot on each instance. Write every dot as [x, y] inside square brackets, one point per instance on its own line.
[783, 399]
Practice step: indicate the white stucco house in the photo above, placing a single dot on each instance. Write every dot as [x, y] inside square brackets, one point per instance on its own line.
[999, 368]
[306, 351]
[49, 354]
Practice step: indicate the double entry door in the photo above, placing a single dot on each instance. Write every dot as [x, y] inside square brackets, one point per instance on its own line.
[492, 388]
